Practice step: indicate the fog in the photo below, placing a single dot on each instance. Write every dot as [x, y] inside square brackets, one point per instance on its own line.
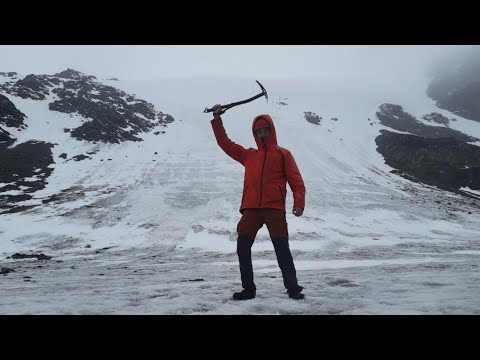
[374, 64]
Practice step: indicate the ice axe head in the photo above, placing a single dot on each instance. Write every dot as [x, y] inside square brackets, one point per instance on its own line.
[264, 92]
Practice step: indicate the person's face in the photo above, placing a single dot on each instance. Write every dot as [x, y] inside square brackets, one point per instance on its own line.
[262, 133]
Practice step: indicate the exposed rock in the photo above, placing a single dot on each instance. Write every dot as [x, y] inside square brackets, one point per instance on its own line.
[437, 118]
[116, 116]
[433, 155]
[27, 256]
[447, 163]
[22, 161]
[112, 115]
[457, 88]
[65, 195]
[8, 74]
[18, 165]
[5, 270]
[9, 115]
[312, 117]
[396, 118]
[463, 101]
[35, 87]
[74, 75]
[80, 157]
[5, 138]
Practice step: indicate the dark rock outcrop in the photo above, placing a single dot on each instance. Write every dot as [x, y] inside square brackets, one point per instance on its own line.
[5, 138]
[396, 118]
[5, 270]
[42, 256]
[24, 168]
[25, 161]
[74, 75]
[433, 155]
[447, 163]
[9, 115]
[11, 74]
[80, 157]
[463, 101]
[456, 88]
[437, 118]
[35, 87]
[312, 117]
[111, 115]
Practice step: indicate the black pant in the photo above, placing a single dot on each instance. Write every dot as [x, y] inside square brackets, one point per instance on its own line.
[284, 258]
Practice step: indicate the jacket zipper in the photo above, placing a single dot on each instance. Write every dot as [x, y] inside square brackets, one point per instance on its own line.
[261, 178]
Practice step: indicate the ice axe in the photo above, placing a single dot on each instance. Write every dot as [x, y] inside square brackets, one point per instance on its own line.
[229, 106]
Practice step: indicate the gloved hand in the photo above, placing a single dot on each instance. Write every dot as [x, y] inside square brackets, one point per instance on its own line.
[297, 211]
[217, 111]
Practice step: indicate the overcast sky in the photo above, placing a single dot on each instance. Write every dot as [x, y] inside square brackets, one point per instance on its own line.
[140, 62]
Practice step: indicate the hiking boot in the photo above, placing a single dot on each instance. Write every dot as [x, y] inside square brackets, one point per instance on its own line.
[296, 293]
[245, 294]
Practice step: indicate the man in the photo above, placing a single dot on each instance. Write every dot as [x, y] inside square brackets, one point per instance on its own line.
[267, 171]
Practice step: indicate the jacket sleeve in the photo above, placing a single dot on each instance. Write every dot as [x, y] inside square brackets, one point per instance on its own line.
[235, 151]
[295, 181]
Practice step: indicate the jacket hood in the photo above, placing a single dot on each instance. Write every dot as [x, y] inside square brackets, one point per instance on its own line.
[262, 121]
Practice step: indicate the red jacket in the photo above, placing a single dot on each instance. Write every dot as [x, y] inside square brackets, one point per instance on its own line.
[267, 170]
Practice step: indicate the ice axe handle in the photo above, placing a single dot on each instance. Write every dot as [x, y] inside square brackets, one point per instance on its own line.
[207, 110]
[228, 106]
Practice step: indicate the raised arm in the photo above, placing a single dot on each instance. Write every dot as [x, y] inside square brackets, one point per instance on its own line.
[235, 151]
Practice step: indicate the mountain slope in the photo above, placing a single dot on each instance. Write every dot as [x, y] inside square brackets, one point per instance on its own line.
[62, 108]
